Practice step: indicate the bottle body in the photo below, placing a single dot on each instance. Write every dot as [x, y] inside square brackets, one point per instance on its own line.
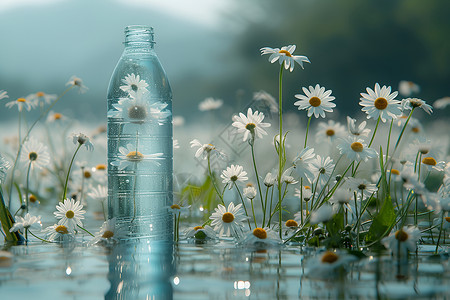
[140, 150]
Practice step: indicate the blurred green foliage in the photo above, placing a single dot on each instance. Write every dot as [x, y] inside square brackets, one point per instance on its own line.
[352, 44]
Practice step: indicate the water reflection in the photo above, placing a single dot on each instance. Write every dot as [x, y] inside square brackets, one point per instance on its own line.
[141, 269]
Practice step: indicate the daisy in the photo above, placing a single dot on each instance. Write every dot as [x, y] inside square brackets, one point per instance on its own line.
[431, 163]
[305, 194]
[100, 193]
[82, 139]
[27, 222]
[402, 240]
[176, 144]
[328, 132]
[70, 213]
[178, 209]
[410, 103]
[35, 153]
[75, 81]
[322, 214]
[6, 257]
[360, 185]
[56, 232]
[109, 233]
[356, 149]
[341, 196]
[441, 103]
[250, 192]
[233, 174]
[407, 88]
[361, 130]
[42, 98]
[302, 163]
[205, 150]
[252, 123]
[329, 264]
[270, 179]
[55, 117]
[210, 104]
[228, 221]
[134, 85]
[178, 121]
[322, 167]
[201, 233]
[261, 237]
[285, 55]
[380, 103]
[3, 94]
[317, 101]
[287, 178]
[267, 99]
[129, 156]
[22, 103]
[138, 111]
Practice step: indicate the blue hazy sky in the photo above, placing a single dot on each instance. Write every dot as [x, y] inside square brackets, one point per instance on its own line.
[45, 42]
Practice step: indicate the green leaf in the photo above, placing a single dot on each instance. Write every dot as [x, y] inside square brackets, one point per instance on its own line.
[7, 221]
[336, 224]
[382, 222]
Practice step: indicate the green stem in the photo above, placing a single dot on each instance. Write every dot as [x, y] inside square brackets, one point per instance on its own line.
[440, 233]
[213, 180]
[253, 212]
[307, 130]
[68, 172]
[403, 129]
[256, 174]
[27, 186]
[280, 150]
[41, 239]
[374, 132]
[265, 206]
[82, 228]
[243, 204]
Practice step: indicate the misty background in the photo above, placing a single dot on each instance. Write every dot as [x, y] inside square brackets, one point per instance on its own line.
[211, 49]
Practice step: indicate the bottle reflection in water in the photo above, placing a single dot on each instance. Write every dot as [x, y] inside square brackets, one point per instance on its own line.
[140, 140]
[141, 269]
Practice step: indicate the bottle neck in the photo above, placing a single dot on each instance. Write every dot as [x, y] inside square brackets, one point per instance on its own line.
[139, 37]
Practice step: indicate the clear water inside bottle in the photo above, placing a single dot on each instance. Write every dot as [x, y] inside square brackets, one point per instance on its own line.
[140, 147]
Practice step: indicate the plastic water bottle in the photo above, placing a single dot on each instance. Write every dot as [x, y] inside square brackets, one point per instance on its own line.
[140, 144]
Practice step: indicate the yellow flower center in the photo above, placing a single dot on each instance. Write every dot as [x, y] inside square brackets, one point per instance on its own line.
[329, 257]
[135, 156]
[429, 161]
[175, 206]
[381, 103]
[40, 94]
[285, 52]
[329, 132]
[32, 156]
[415, 129]
[401, 236]
[198, 227]
[57, 116]
[22, 100]
[107, 234]
[250, 126]
[357, 146]
[291, 223]
[447, 219]
[137, 112]
[101, 167]
[87, 174]
[307, 187]
[61, 229]
[395, 172]
[70, 214]
[315, 101]
[233, 178]
[32, 198]
[260, 233]
[227, 217]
